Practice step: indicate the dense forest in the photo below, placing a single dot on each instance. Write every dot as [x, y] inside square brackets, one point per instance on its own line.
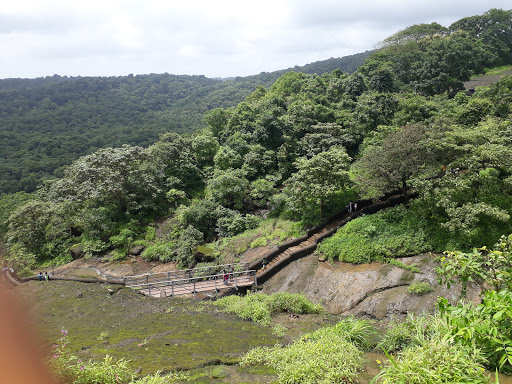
[46, 123]
[302, 148]
[295, 151]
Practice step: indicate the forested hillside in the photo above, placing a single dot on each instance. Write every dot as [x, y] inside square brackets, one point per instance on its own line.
[47, 123]
[301, 149]
[293, 152]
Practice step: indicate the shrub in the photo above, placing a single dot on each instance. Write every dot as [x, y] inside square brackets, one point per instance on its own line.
[356, 331]
[93, 247]
[419, 288]
[259, 307]
[487, 325]
[436, 361]
[259, 242]
[327, 359]
[159, 251]
[389, 233]
[231, 223]
[292, 303]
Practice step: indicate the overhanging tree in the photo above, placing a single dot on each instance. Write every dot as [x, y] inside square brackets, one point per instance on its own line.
[319, 178]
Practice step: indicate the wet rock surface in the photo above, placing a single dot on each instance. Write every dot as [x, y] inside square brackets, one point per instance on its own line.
[375, 290]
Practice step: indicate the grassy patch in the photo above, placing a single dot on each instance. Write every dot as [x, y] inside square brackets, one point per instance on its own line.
[390, 233]
[419, 288]
[155, 334]
[328, 355]
[259, 307]
[269, 232]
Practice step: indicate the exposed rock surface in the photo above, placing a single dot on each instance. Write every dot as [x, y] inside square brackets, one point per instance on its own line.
[375, 290]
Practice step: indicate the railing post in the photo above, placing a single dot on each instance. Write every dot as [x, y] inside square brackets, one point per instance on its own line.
[149, 291]
[194, 287]
[147, 278]
[172, 289]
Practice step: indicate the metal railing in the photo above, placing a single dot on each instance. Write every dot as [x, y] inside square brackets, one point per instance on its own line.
[193, 280]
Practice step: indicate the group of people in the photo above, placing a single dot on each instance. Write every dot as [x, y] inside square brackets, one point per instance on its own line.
[44, 277]
[227, 275]
[352, 207]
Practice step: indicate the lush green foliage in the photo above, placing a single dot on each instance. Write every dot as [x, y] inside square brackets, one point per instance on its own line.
[428, 354]
[390, 233]
[492, 267]
[268, 232]
[398, 122]
[259, 307]
[419, 288]
[51, 121]
[488, 326]
[330, 355]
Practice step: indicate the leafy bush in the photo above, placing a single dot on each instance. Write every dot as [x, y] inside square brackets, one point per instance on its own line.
[163, 252]
[272, 230]
[356, 331]
[231, 223]
[189, 239]
[259, 242]
[419, 288]
[389, 233]
[292, 303]
[436, 361]
[487, 325]
[324, 356]
[93, 247]
[259, 307]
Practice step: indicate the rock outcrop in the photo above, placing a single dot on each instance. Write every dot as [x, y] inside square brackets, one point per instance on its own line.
[375, 290]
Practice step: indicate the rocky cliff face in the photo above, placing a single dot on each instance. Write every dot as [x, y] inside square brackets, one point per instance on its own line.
[375, 290]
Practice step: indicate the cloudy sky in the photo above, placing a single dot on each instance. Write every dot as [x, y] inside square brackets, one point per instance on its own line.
[216, 38]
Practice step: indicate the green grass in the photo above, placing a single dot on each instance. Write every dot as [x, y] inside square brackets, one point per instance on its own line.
[390, 233]
[259, 307]
[497, 70]
[328, 355]
[419, 288]
[269, 232]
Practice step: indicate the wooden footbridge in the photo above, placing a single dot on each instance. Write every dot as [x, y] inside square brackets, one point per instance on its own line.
[192, 281]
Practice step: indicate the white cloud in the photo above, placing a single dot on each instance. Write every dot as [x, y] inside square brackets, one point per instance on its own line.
[215, 38]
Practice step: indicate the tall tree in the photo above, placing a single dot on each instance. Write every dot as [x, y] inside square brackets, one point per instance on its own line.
[319, 178]
[394, 162]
